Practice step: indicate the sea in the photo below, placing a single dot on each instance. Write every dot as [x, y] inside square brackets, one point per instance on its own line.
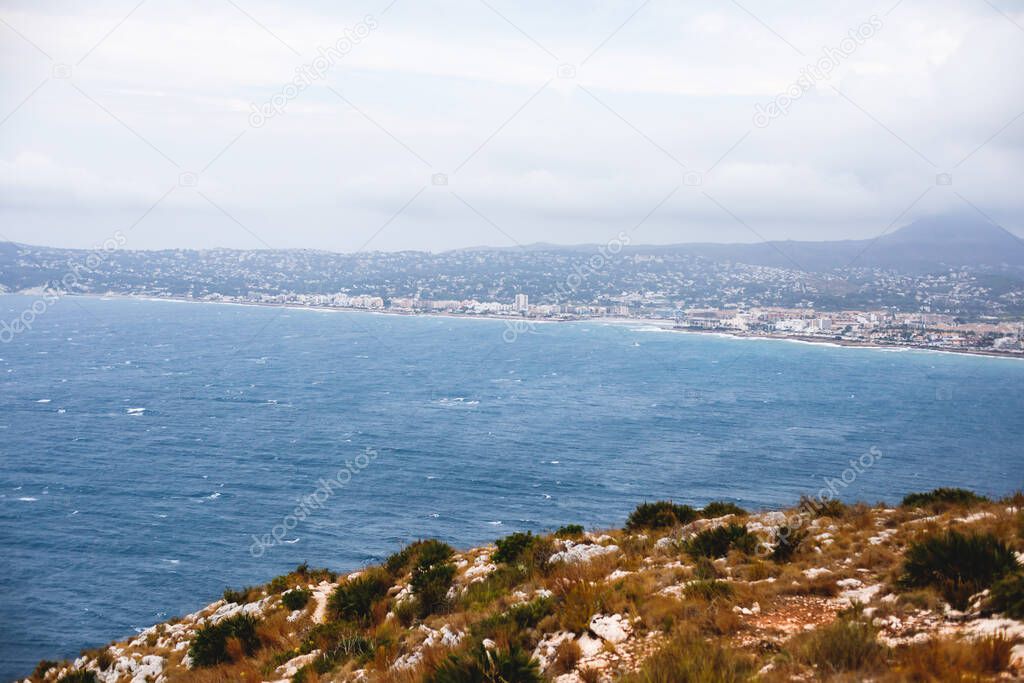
[156, 452]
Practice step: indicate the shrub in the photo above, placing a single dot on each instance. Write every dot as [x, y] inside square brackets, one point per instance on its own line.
[496, 584]
[210, 646]
[513, 622]
[947, 659]
[1008, 595]
[705, 569]
[523, 550]
[247, 594]
[306, 573]
[567, 655]
[709, 590]
[660, 515]
[943, 497]
[957, 565]
[718, 541]
[337, 642]
[80, 676]
[720, 508]
[570, 531]
[296, 598]
[487, 666]
[430, 551]
[354, 599]
[847, 644]
[687, 658]
[513, 547]
[430, 584]
[788, 541]
[580, 600]
[42, 667]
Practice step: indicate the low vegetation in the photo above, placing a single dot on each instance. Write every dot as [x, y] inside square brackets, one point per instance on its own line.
[690, 658]
[717, 542]
[851, 592]
[487, 666]
[354, 599]
[943, 497]
[660, 515]
[957, 565]
[226, 641]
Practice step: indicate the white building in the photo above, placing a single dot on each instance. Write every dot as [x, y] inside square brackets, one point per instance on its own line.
[522, 303]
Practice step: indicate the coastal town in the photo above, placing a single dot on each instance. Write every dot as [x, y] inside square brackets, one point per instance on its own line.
[881, 327]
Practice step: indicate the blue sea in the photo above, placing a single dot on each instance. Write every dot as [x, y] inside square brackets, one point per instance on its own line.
[151, 449]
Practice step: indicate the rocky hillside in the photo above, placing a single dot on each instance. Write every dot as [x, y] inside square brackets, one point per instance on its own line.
[930, 590]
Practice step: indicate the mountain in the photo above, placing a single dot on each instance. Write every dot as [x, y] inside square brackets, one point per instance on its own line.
[928, 244]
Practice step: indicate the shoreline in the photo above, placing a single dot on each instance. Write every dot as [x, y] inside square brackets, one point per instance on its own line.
[660, 324]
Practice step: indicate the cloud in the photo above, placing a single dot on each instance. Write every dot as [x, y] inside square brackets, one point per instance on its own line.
[459, 89]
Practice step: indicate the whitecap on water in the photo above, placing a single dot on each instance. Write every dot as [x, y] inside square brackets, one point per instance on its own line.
[495, 523]
[43, 400]
[135, 411]
[28, 499]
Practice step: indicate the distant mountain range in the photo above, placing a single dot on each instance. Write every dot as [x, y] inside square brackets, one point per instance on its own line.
[953, 264]
[926, 245]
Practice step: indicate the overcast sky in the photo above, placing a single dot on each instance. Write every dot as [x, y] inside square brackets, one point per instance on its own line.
[556, 122]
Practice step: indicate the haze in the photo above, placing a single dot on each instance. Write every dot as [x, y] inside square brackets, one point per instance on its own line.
[451, 124]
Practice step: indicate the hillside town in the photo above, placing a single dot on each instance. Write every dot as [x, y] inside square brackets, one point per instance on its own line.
[880, 327]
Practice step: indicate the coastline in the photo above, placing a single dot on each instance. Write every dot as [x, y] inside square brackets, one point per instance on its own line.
[661, 324]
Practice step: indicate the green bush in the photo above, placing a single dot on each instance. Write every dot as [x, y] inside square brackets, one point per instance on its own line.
[957, 565]
[354, 599]
[42, 667]
[788, 542]
[427, 552]
[479, 665]
[296, 598]
[430, 584]
[570, 531]
[81, 676]
[247, 594]
[523, 550]
[513, 620]
[719, 541]
[720, 508]
[512, 548]
[338, 642]
[209, 646]
[847, 644]
[943, 497]
[1008, 595]
[496, 584]
[660, 515]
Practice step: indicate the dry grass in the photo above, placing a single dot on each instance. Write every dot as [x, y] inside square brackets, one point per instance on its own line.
[688, 658]
[950, 660]
[566, 657]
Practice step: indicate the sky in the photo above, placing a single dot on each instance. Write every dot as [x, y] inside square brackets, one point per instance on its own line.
[394, 124]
